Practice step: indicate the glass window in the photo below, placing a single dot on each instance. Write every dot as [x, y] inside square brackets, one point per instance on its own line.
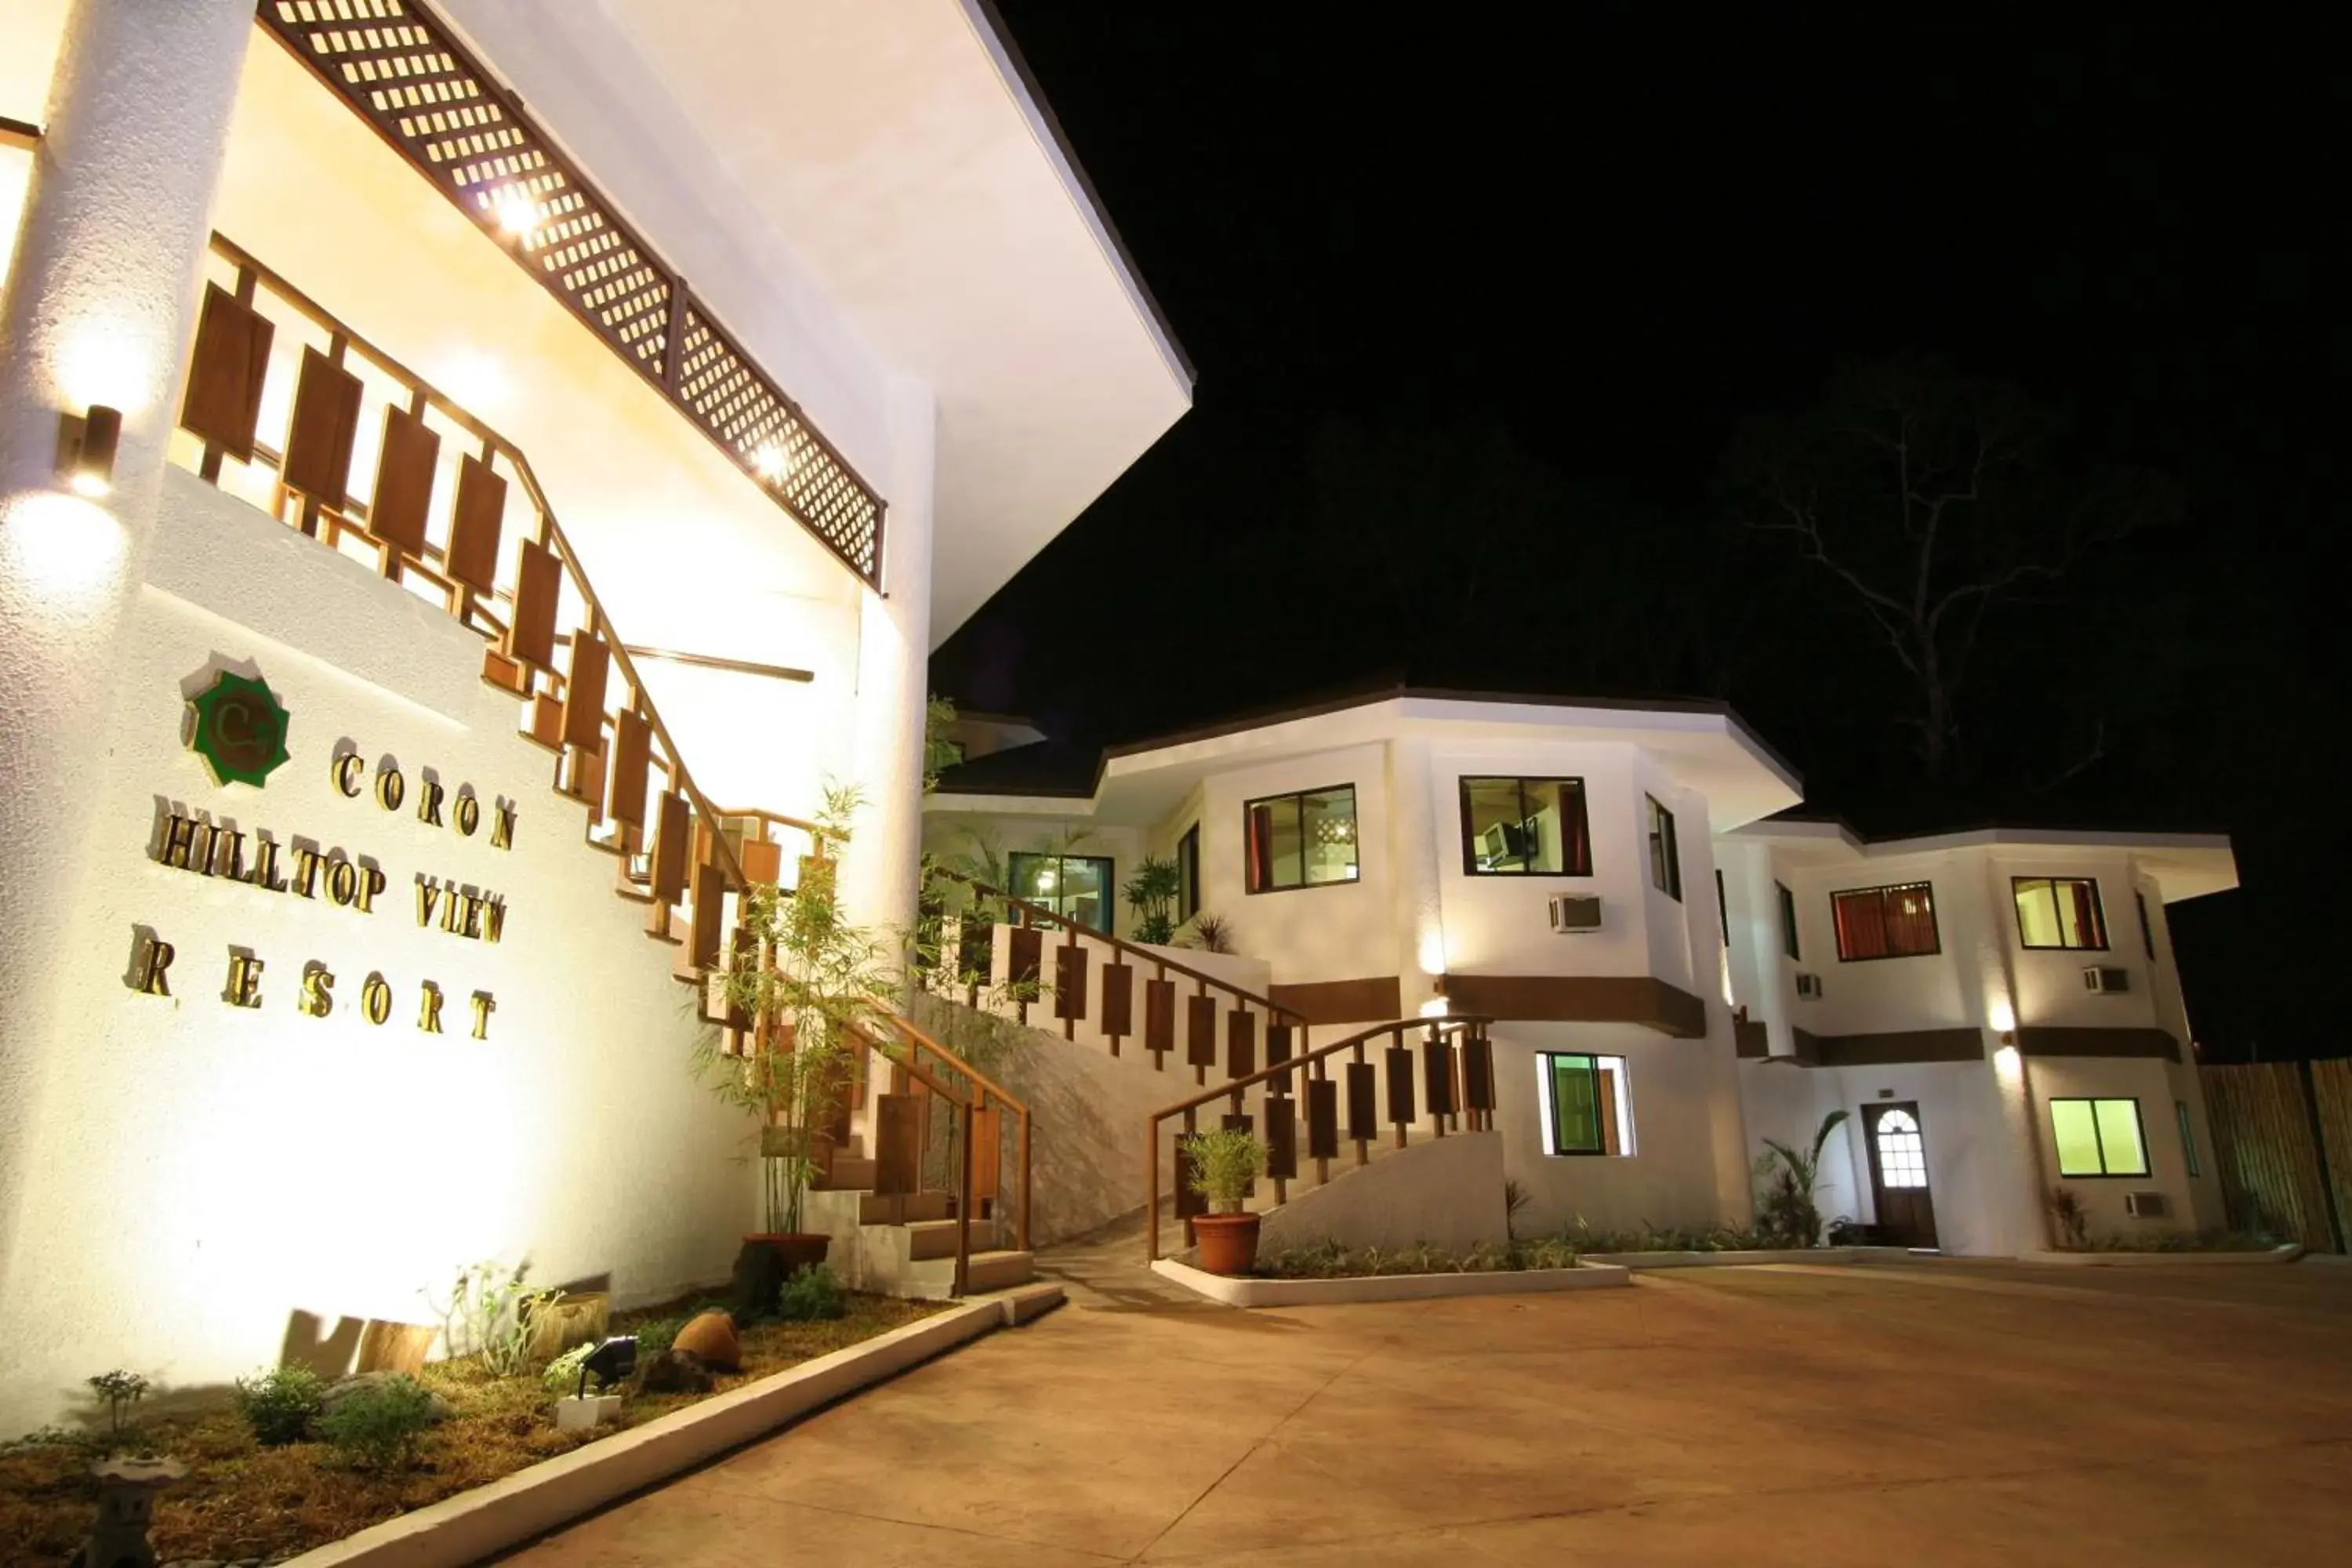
[2147, 930]
[1885, 923]
[1076, 887]
[1902, 1153]
[1788, 923]
[2098, 1136]
[1587, 1108]
[2187, 1136]
[1666, 862]
[1303, 840]
[1525, 827]
[1187, 874]
[2059, 911]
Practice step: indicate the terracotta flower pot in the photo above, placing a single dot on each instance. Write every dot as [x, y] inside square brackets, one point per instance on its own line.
[1228, 1242]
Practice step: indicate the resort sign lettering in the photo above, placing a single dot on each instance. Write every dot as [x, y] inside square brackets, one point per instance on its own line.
[239, 728]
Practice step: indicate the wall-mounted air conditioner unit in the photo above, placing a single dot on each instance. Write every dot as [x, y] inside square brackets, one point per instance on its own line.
[1574, 912]
[1809, 987]
[2145, 1206]
[2098, 977]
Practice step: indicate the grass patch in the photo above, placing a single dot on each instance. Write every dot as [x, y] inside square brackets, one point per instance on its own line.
[1334, 1260]
[243, 1501]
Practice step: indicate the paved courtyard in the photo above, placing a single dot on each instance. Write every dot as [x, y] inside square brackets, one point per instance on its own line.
[1928, 1412]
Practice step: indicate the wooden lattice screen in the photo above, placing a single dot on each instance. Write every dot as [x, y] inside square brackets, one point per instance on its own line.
[2283, 1145]
[400, 69]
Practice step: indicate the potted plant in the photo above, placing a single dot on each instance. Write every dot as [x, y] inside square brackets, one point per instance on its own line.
[1224, 1164]
[816, 977]
[1787, 1207]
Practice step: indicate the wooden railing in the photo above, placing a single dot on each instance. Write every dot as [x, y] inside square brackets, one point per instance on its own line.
[980, 1105]
[289, 407]
[1222, 1021]
[1454, 1077]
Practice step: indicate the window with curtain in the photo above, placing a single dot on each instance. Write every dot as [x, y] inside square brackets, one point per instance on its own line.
[1525, 827]
[1187, 874]
[1897, 921]
[1789, 922]
[1076, 887]
[1586, 1105]
[2098, 1136]
[1665, 861]
[2059, 911]
[1303, 840]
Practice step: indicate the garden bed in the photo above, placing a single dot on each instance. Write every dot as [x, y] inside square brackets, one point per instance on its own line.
[1329, 1272]
[242, 1501]
[1726, 1258]
[2152, 1256]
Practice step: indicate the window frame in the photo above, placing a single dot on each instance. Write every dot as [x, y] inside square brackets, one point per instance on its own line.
[1249, 868]
[1790, 946]
[2146, 1167]
[1617, 1115]
[2147, 926]
[1187, 873]
[1109, 886]
[2188, 1137]
[2017, 886]
[1583, 837]
[1935, 921]
[1665, 854]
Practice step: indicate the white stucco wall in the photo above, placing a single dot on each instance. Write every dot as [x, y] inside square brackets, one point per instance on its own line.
[204, 1170]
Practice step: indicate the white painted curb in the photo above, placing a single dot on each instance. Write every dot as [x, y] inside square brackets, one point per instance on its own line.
[1250, 1292]
[514, 1508]
[2288, 1254]
[1728, 1260]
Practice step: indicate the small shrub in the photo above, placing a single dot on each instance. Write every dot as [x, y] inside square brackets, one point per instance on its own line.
[1213, 933]
[1225, 1164]
[653, 1338]
[377, 1427]
[813, 1295]
[563, 1374]
[281, 1404]
[121, 1390]
[2070, 1219]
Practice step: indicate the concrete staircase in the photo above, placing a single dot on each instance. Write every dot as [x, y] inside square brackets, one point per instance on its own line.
[904, 1244]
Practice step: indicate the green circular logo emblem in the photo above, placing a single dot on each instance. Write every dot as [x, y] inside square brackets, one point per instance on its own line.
[240, 730]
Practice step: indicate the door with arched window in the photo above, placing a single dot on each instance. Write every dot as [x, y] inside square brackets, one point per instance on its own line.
[1898, 1174]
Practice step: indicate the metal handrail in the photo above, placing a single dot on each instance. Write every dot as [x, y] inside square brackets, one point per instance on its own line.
[1231, 1092]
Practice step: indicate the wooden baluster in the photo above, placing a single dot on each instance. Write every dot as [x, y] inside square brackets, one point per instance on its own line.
[1160, 1019]
[1437, 1076]
[1322, 1120]
[1399, 1085]
[1119, 1000]
[1363, 1116]
[1070, 985]
[1024, 1187]
[1026, 954]
[1188, 1202]
[1201, 1034]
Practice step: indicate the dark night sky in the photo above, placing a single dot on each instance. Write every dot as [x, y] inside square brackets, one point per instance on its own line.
[1597, 247]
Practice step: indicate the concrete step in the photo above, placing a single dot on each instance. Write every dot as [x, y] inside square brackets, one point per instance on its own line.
[931, 1239]
[999, 1270]
[903, 1208]
[850, 1176]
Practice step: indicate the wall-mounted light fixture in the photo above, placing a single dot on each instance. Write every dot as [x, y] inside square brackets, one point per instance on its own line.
[86, 444]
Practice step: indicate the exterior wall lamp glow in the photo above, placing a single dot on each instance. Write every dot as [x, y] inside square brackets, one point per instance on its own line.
[86, 444]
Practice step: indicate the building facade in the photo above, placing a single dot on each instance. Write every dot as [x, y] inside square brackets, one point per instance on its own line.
[470, 474]
[1676, 969]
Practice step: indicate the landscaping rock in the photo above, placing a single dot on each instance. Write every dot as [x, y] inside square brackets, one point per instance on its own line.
[710, 1337]
[678, 1372]
[343, 1388]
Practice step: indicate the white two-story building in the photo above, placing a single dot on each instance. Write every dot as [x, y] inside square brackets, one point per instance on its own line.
[1676, 969]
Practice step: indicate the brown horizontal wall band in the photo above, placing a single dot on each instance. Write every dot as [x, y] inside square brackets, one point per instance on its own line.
[2054, 1040]
[1581, 999]
[1748, 1036]
[1892, 1048]
[1369, 1001]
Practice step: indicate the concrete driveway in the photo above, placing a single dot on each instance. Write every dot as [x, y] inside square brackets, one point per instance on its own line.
[1936, 1413]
